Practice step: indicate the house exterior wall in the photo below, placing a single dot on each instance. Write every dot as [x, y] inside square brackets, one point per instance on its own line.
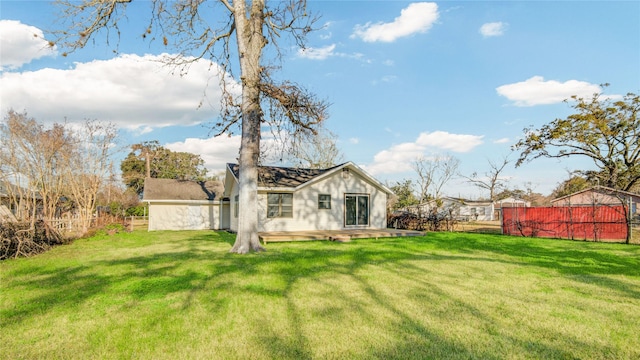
[307, 216]
[225, 215]
[480, 212]
[233, 216]
[184, 216]
[460, 210]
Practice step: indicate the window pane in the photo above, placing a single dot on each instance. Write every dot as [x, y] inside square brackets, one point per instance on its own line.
[286, 211]
[324, 201]
[236, 206]
[273, 199]
[273, 211]
[279, 205]
[350, 210]
[363, 210]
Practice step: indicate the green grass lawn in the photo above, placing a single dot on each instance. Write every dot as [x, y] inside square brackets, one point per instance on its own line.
[181, 295]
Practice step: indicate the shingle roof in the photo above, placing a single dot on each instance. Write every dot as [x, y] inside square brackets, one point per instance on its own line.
[170, 189]
[273, 176]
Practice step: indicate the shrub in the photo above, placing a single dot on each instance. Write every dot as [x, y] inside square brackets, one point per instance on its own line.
[139, 210]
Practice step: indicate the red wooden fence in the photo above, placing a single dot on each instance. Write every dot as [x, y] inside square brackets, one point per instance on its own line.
[568, 222]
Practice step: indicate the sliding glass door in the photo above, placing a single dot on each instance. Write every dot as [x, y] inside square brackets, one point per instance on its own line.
[356, 209]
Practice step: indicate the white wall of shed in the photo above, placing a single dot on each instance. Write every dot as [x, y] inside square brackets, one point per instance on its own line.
[171, 216]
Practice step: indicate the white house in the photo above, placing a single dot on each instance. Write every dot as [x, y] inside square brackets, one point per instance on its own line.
[289, 199]
[460, 209]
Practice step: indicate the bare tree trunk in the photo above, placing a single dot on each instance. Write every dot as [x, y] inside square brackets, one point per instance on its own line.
[250, 44]
[147, 163]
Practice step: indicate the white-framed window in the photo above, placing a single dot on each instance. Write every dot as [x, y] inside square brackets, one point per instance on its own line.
[279, 205]
[324, 201]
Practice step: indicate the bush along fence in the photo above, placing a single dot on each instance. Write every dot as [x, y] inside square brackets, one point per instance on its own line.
[594, 223]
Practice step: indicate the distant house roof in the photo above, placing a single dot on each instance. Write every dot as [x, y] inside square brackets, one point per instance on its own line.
[600, 190]
[511, 202]
[457, 200]
[7, 189]
[170, 189]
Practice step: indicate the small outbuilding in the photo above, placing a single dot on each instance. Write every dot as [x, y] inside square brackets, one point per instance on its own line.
[185, 205]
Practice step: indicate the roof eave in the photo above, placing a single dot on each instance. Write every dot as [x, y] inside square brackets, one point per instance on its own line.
[174, 201]
[350, 165]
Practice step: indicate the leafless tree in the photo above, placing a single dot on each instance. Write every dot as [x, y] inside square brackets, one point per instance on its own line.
[315, 151]
[433, 173]
[32, 163]
[208, 30]
[89, 166]
[491, 181]
[44, 165]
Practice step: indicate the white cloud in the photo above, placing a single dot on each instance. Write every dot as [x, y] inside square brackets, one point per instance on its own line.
[493, 29]
[317, 53]
[537, 91]
[325, 33]
[398, 158]
[501, 141]
[416, 18]
[133, 92]
[20, 43]
[216, 151]
[354, 140]
[328, 51]
[451, 142]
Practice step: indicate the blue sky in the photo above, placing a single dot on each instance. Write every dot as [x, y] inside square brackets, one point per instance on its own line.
[405, 79]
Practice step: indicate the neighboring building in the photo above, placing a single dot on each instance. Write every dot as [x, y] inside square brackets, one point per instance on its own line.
[289, 199]
[185, 205]
[460, 209]
[466, 210]
[600, 195]
[508, 202]
[18, 200]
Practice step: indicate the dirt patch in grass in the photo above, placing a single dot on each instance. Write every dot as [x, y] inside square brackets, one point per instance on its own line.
[484, 227]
